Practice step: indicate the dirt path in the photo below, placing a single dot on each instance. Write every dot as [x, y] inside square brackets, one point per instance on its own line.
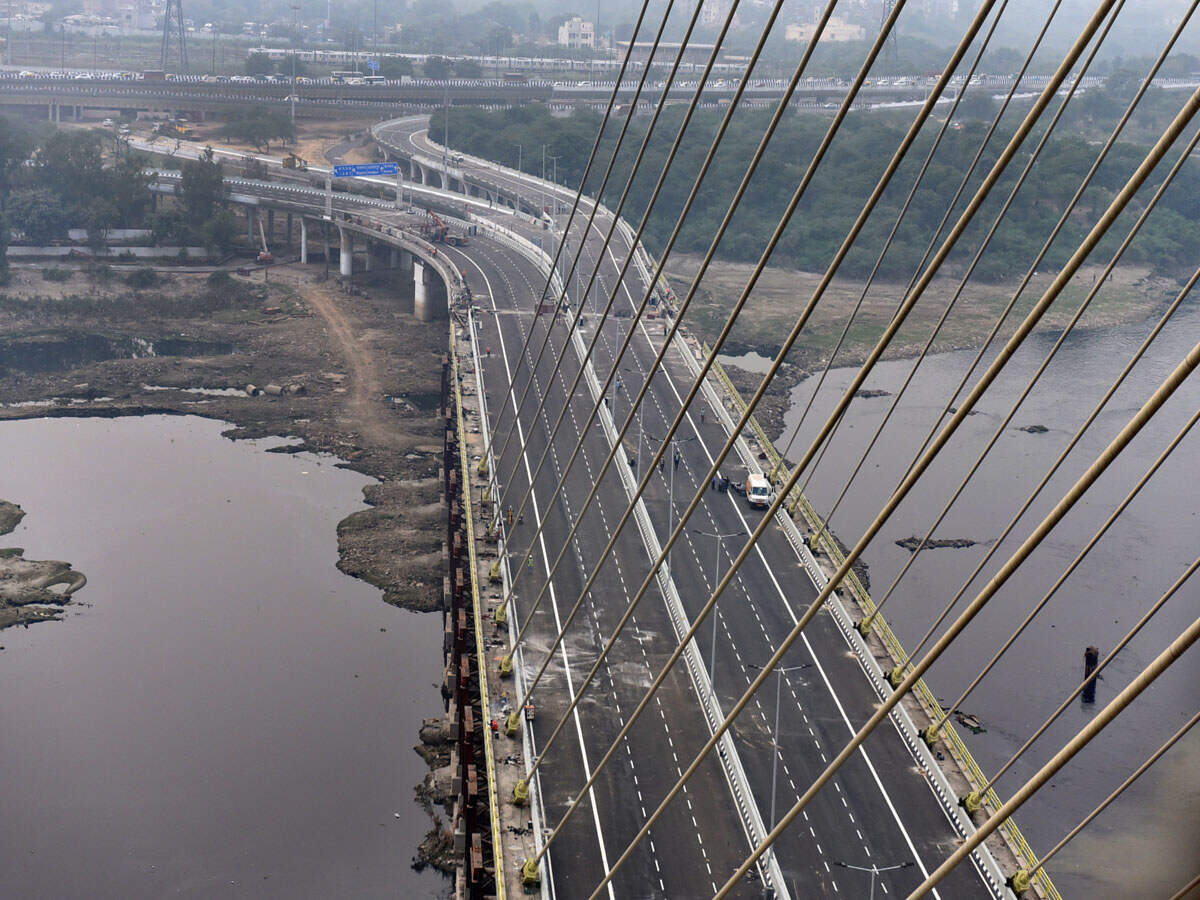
[362, 414]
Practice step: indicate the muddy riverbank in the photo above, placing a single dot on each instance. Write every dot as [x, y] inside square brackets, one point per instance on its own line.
[348, 371]
[338, 369]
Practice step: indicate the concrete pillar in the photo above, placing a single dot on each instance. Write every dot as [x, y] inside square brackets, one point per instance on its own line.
[271, 225]
[367, 264]
[393, 253]
[429, 293]
[406, 261]
[346, 262]
[289, 229]
[303, 241]
[250, 223]
[325, 235]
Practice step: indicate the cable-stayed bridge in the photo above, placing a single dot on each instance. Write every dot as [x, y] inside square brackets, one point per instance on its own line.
[693, 695]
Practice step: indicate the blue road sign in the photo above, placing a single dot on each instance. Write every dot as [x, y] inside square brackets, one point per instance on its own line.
[373, 65]
[386, 168]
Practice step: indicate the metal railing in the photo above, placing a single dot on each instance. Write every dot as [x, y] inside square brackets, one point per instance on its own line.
[480, 644]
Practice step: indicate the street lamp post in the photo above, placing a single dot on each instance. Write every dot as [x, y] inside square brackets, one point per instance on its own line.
[779, 673]
[874, 870]
[554, 177]
[295, 37]
[720, 538]
[675, 456]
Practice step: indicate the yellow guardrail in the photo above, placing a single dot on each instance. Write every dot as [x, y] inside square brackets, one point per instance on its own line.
[480, 644]
[921, 691]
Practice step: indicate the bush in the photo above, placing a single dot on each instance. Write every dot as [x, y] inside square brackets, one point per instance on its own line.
[54, 273]
[102, 272]
[142, 278]
[219, 279]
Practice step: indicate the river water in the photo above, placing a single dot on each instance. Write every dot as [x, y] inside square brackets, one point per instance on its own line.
[224, 712]
[1145, 845]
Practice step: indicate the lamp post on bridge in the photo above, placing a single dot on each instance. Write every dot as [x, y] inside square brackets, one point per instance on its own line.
[720, 539]
[874, 870]
[780, 671]
[676, 456]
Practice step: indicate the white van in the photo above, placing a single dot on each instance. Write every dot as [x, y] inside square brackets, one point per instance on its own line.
[758, 491]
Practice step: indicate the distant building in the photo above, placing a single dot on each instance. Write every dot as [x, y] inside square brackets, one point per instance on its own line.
[836, 30]
[576, 34]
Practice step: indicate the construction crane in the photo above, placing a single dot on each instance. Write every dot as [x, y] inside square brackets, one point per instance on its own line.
[265, 256]
[440, 232]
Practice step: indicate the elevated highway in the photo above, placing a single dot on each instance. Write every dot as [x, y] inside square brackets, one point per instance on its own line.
[71, 97]
[893, 805]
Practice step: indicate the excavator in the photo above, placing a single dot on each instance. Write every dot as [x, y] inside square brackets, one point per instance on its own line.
[441, 233]
[292, 161]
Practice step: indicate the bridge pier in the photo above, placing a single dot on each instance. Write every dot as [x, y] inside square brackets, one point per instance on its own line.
[429, 293]
[393, 254]
[367, 263]
[303, 241]
[346, 254]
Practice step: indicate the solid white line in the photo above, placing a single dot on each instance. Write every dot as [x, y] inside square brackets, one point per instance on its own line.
[783, 597]
[546, 565]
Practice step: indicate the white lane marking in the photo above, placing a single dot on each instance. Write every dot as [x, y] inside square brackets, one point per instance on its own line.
[554, 602]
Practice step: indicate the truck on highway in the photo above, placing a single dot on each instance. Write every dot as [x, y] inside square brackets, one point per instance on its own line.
[758, 491]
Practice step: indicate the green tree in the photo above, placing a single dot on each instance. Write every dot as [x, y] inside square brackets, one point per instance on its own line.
[219, 231]
[99, 216]
[169, 226]
[395, 66]
[201, 188]
[15, 146]
[41, 214]
[468, 68]
[437, 68]
[259, 64]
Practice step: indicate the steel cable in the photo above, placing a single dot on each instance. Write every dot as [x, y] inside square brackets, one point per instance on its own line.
[694, 389]
[583, 180]
[562, 301]
[851, 94]
[1146, 82]
[1100, 158]
[608, 306]
[1097, 232]
[756, 159]
[1047, 524]
[957, 295]
[998, 433]
[1100, 667]
[1098, 723]
[962, 186]
[931, 732]
[1117, 792]
[1187, 889]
